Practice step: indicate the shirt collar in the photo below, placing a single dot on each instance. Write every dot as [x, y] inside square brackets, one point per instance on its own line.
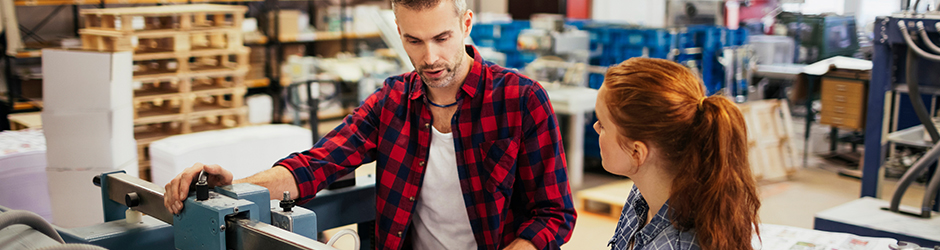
[631, 226]
[470, 85]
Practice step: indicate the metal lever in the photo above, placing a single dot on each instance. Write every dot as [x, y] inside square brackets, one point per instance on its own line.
[202, 186]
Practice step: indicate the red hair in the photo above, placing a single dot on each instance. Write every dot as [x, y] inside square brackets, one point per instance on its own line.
[703, 140]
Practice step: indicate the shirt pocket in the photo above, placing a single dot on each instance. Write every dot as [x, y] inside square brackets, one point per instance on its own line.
[499, 164]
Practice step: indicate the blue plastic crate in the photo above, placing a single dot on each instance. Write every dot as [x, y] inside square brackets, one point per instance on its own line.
[595, 80]
[518, 60]
[484, 30]
[489, 43]
[509, 34]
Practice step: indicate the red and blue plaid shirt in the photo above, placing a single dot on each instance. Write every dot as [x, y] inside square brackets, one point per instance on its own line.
[508, 148]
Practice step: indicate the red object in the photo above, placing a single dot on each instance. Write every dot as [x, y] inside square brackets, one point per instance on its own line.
[579, 9]
[508, 149]
[756, 10]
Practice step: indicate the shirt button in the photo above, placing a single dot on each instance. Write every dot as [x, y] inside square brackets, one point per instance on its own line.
[399, 234]
[412, 198]
[421, 164]
[427, 125]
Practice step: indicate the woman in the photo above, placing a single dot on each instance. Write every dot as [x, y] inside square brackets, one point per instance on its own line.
[686, 154]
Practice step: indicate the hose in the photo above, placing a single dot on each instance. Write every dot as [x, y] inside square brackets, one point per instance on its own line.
[930, 194]
[923, 36]
[912, 85]
[923, 163]
[73, 247]
[913, 46]
[342, 233]
[30, 219]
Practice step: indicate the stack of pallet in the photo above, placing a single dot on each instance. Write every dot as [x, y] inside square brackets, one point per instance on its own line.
[189, 66]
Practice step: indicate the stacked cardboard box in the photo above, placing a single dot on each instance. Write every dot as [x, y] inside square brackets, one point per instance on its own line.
[88, 124]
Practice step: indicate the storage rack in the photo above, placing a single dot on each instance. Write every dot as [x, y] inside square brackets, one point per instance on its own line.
[190, 62]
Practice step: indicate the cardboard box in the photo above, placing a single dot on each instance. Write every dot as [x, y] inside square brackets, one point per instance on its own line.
[243, 151]
[86, 80]
[289, 23]
[91, 139]
[76, 201]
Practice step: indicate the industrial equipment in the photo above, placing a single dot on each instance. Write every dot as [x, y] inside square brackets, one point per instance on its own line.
[563, 51]
[239, 216]
[821, 36]
[681, 13]
[905, 54]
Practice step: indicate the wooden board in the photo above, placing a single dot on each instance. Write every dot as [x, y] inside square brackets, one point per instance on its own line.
[157, 33]
[607, 199]
[189, 53]
[25, 120]
[206, 65]
[169, 10]
[771, 151]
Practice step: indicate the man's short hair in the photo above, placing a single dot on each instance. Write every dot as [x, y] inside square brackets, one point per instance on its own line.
[460, 6]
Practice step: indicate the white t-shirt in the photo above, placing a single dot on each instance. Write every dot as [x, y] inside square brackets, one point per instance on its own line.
[441, 220]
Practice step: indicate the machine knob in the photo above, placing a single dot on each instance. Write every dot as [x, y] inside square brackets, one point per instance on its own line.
[131, 199]
[96, 180]
[202, 186]
[287, 203]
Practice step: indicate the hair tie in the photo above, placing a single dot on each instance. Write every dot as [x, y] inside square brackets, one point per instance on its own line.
[700, 102]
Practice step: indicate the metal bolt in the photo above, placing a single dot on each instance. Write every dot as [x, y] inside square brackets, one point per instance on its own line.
[236, 210]
[222, 228]
[286, 195]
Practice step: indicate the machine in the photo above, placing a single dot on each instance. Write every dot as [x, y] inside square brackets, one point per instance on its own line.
[239, 216]
[563, 51]
[904, 63]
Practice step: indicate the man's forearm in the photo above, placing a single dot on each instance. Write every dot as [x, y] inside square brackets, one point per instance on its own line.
[277, 180]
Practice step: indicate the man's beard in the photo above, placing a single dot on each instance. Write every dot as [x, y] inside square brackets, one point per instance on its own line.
[449, 74]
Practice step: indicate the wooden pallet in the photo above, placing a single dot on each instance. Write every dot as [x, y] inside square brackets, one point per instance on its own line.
[143, 160]
[606, 199]
[193, 64]
[172, 28]
[169, 17]
[162, 43]
[150, 110]
[771, 151]
[198, 121]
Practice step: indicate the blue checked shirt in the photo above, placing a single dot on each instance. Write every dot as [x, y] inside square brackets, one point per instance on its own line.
[658, 235]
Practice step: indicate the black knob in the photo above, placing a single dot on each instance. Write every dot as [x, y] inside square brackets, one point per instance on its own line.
[96, 180]
[287, 203]
[131, 199]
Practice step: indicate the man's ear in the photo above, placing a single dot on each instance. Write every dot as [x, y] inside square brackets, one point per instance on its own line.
[468, 22]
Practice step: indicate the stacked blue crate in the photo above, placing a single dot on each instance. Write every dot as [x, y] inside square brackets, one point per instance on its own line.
[502, 37]
[616, 44]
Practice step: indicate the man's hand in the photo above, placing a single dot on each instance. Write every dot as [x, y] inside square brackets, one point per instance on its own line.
[520, 244]
[178, 188]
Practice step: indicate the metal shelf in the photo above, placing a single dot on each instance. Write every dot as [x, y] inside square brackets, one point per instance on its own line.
[326, 36]
[912, 137]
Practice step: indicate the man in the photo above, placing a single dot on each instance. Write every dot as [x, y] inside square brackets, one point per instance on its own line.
[457, 134]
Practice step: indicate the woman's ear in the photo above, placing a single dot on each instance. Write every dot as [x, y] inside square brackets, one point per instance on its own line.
[640, 153]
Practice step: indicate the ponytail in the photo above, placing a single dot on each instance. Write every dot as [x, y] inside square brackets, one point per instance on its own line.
[715, 193]
[703, 139]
